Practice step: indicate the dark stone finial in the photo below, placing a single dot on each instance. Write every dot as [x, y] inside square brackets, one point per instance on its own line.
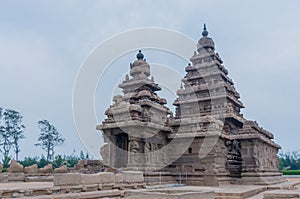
[140, 55]
[204, 32]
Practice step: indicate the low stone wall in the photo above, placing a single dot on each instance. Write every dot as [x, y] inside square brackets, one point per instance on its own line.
[22, 177]
[17, 173]
[104, 179]
[61, 193]
[77, 185]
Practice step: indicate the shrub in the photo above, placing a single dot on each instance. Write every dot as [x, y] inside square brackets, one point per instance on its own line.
[28, 161]
[291, 172]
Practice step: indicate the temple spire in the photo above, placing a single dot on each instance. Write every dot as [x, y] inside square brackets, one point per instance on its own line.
[205, 42]
[140, 55]
[204, 32]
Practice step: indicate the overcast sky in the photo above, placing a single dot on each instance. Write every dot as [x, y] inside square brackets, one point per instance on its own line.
[44, 43]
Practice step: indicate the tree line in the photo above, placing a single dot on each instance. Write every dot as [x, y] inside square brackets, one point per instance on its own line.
[12, 131]
[289, 160]
[58, 160]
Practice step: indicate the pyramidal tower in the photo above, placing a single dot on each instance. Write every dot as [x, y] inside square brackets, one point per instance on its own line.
[227, 148]
[208, 87]
[208, 140]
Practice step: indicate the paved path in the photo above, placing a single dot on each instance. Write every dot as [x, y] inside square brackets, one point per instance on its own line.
[248, 191]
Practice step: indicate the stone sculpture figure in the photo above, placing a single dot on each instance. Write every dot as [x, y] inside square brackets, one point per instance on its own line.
[134, 146]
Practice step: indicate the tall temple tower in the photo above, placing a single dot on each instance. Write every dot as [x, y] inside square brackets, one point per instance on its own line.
[208, 106]
[211, 141]
[227, 148]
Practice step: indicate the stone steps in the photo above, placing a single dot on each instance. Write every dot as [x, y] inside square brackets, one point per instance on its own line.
[258, 196]
[283, 190]
[279, 194]
[239, 194]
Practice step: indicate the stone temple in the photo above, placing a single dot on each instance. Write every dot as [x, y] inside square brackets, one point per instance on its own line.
[207, 140]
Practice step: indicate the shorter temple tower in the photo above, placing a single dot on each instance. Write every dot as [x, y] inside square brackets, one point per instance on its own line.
[137, 123]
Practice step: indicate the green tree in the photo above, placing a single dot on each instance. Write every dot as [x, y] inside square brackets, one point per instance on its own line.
[87, 157]
[2, 131]
[5, 142]
[81, 155]
[11, 132]
[49, 138]
[43, 162]
[84, 157]
[58, 161]
[72, 160]
[289, 160]
[14, 131]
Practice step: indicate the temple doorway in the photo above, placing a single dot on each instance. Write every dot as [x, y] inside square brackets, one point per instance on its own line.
[122, 149]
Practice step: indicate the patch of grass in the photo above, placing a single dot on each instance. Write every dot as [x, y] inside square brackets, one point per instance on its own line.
[291, 172]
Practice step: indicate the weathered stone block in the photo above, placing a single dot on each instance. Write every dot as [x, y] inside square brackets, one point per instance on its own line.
[31, 169]
[16, 177]
[210, 180]
[41, 197]
[15, 167]
[118, 178]
[62, 179]
[107, 177]
[80, 164]
[67, 196]
[133, 176]
[46, 169]
[1, 167]
[46, 178]
[3, 177]
[62, 169]
[90, 179]
[101, 194]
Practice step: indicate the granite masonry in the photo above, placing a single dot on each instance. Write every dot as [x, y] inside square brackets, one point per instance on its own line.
[224, 147]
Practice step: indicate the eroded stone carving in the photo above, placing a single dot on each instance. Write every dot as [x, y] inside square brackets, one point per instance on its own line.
[15, 167]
